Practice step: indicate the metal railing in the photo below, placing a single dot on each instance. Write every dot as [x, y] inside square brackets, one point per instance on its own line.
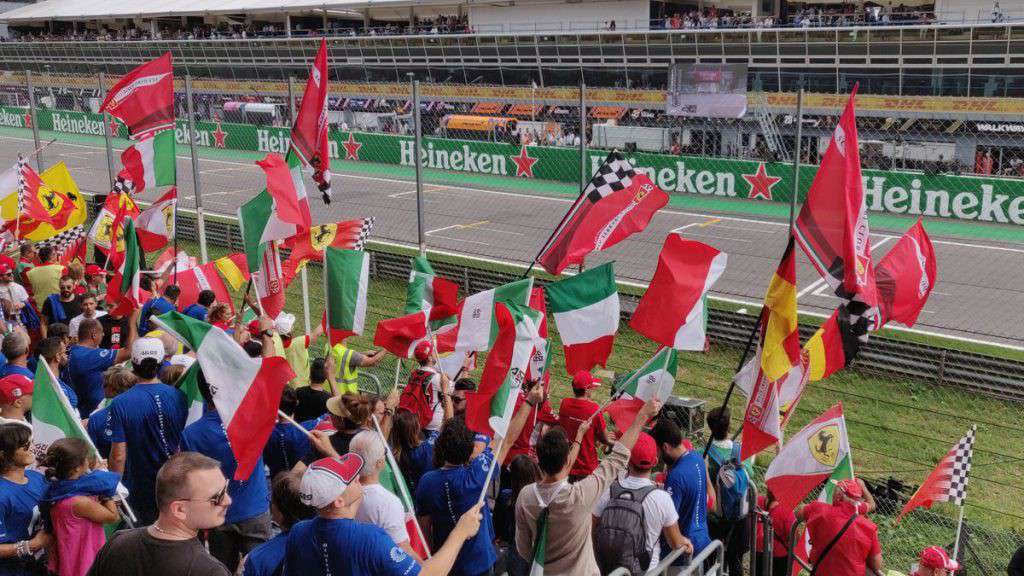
[695, 567]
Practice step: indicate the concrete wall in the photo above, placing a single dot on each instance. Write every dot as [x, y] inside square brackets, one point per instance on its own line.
[551, 15]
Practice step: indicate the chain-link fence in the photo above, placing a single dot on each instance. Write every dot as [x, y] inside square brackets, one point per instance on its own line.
[501, 165]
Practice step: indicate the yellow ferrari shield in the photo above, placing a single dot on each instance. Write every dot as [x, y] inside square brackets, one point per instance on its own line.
[824, 444]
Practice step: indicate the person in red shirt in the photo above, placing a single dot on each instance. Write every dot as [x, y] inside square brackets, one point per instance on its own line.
[935, 562]
[782, 522]
[572, 413]
[534, 428]
[857, 549]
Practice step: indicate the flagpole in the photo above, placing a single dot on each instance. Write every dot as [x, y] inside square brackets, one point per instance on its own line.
[398, 372]
[490, 469]
[796, 159]
[292, 421]
[959, 529]
[404, 488]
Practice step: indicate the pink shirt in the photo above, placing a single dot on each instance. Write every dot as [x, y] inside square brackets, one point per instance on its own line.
[77, 540]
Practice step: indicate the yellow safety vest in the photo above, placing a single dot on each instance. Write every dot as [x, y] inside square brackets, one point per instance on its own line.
[297, 356]
[348, 376]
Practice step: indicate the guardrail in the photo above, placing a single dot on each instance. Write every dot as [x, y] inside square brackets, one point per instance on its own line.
[980, 373]
[696, 565]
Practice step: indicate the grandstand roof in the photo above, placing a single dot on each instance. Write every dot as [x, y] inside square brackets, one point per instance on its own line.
[102, 9]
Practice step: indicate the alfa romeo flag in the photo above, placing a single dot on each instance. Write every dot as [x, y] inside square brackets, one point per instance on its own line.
[246, 391]
[489, 409]
[832, 227]
[791, 386]
[655, 379]
[478, 326]
[155, 225]
[268, 281]
[586, 312]
[144, 98]
[309, 134]
[309, 245]
[617, 203]
[809, 457]
[346, 277]
[905, 278]
[430, 293]
[672, 311]
[761, 425]
[948, 481]
[151, 162]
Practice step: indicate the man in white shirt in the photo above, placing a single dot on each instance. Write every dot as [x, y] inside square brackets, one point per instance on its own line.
[89, 310]
[379, 506]
[12, 295]
[660, 516]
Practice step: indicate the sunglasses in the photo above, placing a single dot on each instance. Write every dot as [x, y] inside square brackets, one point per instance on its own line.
[217, 499]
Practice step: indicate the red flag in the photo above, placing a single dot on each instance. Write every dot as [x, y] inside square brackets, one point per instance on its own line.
[32, 206]
[905, 278]
[401, 335]
[195, 280]
[268, 282]
[169, 261]
[309, 134]
[617, 203]
[310, 245]
[144, 98]
[155, 225]
[761, 426]
[287, 204]
[75, 250]
[832, 227]
[948, 481]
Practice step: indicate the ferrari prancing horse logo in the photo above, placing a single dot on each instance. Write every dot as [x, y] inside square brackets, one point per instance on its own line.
[824, 445]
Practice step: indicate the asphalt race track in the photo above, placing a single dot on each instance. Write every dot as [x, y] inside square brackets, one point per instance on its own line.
[978, 296]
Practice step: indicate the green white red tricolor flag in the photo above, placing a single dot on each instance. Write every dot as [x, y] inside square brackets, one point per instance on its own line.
[53, 417]
[189, 384]
[123, 288]
[540, 544]
[655, 379]
[155, 225]
[246, 391]
[810, 456]
[151, 162]
[275, 213]
[391, 478]
[430, 293]
[478, 326]
[346, 278]
[489, 409]
[585, 308]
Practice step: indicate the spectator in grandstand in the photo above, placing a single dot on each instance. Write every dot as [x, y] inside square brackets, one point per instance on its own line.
[219, 315]
[296, 350]
[856, 548]
[191, 495]
[312, 400]
[456, 485]
[52, 351]
[146, 423]
[247, 521]
[522, 471]
[686, 481]
[89, 309]
[28, 258]
[287, 509]
[427, 392]
[345, 363]
[658, 516]
[459, 390]
[569, 505]
[158, 305]
[782, 523]
[415, 454]
[76, 271]
[934, 561]
[116, 379]
[379, 506]
[44, 279]
[286, 444]
[87, 361]
[62, 306]
[13, 296]
[116, 329]
[15, 399]
[200, 307]
[575, 411]
[21, 490]
[730, 531]
[349, 415]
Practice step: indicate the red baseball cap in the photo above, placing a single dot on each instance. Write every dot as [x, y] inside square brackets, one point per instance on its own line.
[645, 452]
[423, 350]
[13, 387]
[851, 488]
[7, 261]
[93, 270]
[584, 380]
[936, 557]
[5, 268]
[327, 478]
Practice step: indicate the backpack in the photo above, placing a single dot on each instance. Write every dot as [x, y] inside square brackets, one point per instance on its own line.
[620, 539]
[416, 397]
[731, 486]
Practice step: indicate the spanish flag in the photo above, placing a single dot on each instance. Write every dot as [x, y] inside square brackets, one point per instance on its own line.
[834, 345]
[780, 339]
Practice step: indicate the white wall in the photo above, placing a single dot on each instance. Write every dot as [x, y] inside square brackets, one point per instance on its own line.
[552, 14]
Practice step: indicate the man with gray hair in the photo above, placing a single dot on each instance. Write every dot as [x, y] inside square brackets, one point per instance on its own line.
[380, 507]
[15, 350]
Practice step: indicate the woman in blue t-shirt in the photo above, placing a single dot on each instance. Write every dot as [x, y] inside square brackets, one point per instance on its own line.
[415, 453]
[20, 492]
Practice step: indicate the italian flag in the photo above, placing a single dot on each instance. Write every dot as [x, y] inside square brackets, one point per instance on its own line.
[346, 277]
[489, 409]
[655, 379]
[123, 289]
[246, 391]
[401, 335]
[812, 455]
[427, 292]
[391, 478]
[156, 224]
[586, 312]
[189, 384]
[151, 162]
[53, 417]
[540, 544]
[275, 213]
[478, 325]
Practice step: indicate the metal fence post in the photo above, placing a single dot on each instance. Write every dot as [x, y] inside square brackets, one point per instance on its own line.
[584, 173]
[34, 119]
[106, 135]
[197, 185]
[303, 274]
[417, 137]
[796, 157]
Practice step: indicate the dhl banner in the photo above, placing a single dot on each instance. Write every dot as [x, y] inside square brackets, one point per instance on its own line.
[55, 178]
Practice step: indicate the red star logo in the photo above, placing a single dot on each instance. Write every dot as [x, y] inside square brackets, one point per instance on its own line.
[761, 183]
[351, 147]
[219, 136]
[28, 119]
[524, 164]
[114, 127]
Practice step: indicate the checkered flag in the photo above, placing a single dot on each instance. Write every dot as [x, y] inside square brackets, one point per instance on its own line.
[948, 482]
[22, 165]
[364, 233]
[615, 174]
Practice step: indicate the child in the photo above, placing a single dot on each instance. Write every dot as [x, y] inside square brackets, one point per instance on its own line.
[77, 517]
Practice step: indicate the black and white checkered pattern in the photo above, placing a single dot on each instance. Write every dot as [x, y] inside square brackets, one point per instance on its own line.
[22, 165]
[364, 233]
[615, 174]
[64, 239]
[960, 464]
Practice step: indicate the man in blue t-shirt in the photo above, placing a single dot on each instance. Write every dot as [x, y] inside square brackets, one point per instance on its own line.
[158, 305]
[687, 484]
[201, 307]
[287, 509]
[87, 362]
[15, 350]
[335, 543]
[146, 423]
[287, 444]
[247, 524]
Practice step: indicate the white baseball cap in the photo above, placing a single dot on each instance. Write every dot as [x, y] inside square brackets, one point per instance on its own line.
[147, 348]
[284, 323]
[327, 478]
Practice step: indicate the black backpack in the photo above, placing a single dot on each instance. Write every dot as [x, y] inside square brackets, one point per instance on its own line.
[620, 539]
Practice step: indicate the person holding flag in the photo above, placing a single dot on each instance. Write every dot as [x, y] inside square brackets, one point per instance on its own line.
[843, 541]
[428, 392]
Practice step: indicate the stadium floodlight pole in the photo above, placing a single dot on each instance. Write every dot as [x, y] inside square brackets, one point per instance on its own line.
[796, 157]
[33, 119]
[197, 185]
[417, 139]
[101, 78]
[303, 274]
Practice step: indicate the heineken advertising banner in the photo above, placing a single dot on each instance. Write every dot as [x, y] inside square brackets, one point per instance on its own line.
[984, 199]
